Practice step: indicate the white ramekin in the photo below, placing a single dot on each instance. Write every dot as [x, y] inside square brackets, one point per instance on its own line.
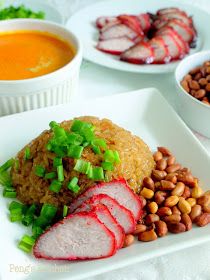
[195, 113]
[54, 88]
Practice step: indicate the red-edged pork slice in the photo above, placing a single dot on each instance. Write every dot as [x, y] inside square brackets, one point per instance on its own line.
[161, 54]
[167, 10]
[77, 237]
[145, 22]
[168, 30]
[187, 33]
[174, 49]
[117, 189]
[104, 20]
[115, 46]
[122, 215]
[116, 31]
[178, 16]
[108, 220]
[141, 53]
[132, 22]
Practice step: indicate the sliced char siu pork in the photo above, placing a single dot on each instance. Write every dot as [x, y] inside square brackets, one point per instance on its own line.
[77, 237]
[145, 22]
[102, 21]
[167, 10]
[117, 189]
[181, 16]
[175, 51]
[116, 31]
[141, 53]
[186, 32]
[123, 216]
[104, 215]
[161, 53]
[115, 46]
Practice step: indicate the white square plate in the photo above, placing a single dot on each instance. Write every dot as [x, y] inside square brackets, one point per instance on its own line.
[145, 113]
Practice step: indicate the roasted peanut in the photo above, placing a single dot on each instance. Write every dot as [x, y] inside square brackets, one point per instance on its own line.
[191, 201]
[144, 202]
[185, 219]
[171, 201]
[149, 183]
[196, 192]
[161, 164]
[147, 236]
[185, 178]
[203, 220]
[176, 228]
[160, 196]
[151, 218]
[175, 210]
[179, 189]
[184, 84]
[139, 228]
[171, 177]
[129, 239]
[195, 70]
[158, 175]
[152, 207]
[147, 193]
[166, 185]
[206, 208]
[207, 88]
[195, 212]
[204, 200]
[184, 206]
[203, 82]
[164, 151]
[164, 211]
[186, 194]
[173, 168]
[198, 76]
[161, 228]
[194, 85]
[171, 160]
[157, 156]
[174, 218]
[199, 94]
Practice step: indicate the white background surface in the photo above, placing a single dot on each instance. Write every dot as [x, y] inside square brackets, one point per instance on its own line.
[95, 81]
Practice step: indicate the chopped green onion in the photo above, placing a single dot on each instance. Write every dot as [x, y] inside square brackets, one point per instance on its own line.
[74, 138]
[75, 151]
[37, 231]
[65, 210]
[5, 179]
[39, 171]
[48, 211]
[57, 161]
[72, 185]
[26, 243]
[107, 166]
[27, 153]
[53, 124]
[85, 144]
[9, 163]
[50, 175]
[28, 220]
[88, 134]
[99, 142]
[82, 166]
[76, 125]
[55, 186]
[60, 134]
[60, 173]
[41, 222]
[58, 151]
[97, 174]
[90, 172]
[96, 149]
[109, 156]
[49, 146]
[74, 189]
[116, 156]
[16, 164]
[31, 210]
[16, 214]
[15, 205]
[9, 193]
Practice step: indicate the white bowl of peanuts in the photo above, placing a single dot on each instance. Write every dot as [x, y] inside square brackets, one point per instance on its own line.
[193, 90]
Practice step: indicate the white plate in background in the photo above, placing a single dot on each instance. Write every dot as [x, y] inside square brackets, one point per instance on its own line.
[144, 113]
[83, 24]
[51, 13]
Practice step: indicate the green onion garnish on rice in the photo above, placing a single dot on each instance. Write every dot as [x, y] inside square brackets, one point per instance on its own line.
[9, 192]
[73, 186]
[97, 173]
[8, 164]
[57, 161]
[39, 171]
[50, 175]
[75, 151]
[27, 153]
[108, 166]
[65, 210]
[60, 173]
[55, 186]
[82, 166]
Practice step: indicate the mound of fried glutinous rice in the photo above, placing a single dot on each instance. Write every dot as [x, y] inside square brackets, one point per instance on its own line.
[136, 163]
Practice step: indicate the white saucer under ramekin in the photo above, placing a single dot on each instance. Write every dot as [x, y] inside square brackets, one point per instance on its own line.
[51, 89]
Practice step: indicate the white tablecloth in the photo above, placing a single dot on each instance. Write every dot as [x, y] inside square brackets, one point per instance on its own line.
[95, 81]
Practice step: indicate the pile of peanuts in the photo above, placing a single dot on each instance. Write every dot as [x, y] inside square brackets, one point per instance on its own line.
[172, 200]
[197, 83]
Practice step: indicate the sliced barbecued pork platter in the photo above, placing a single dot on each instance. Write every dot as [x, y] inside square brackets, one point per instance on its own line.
[135, 36]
